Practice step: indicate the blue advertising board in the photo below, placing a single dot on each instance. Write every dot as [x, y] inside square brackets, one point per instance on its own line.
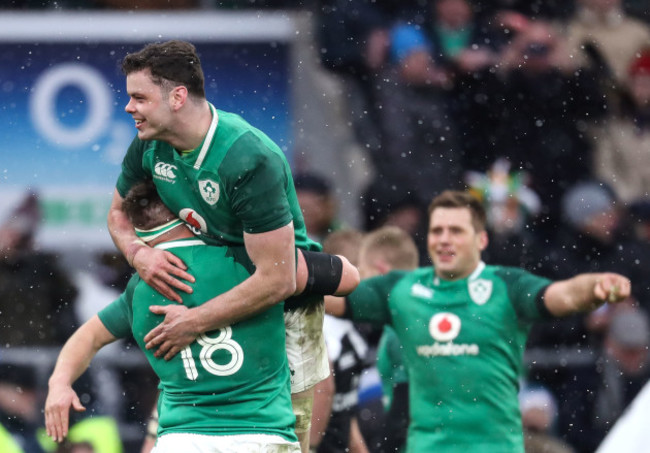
[63, 128]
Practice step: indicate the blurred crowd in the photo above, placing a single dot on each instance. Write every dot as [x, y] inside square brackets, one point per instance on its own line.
[540, 108]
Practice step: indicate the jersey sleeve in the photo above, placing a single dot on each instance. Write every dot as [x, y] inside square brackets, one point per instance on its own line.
[369, 301]
[255, 179]
[395, 356]
[526, 292]
[132, 170]
[117, 316]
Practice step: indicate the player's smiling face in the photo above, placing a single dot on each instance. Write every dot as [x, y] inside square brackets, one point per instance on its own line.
[453, 243]
[148, 105]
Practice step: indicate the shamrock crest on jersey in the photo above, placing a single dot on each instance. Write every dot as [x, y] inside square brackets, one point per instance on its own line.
[480, 290]
[209, 191]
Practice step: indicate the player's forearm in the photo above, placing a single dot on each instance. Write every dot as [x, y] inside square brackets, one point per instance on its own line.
[585, 292]
[335, 306]
[250, 297]
[78, 351]
[274, 279]
[121, 230]
[322, 409]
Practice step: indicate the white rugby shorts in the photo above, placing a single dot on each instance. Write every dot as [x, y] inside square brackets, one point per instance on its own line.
[306, 350]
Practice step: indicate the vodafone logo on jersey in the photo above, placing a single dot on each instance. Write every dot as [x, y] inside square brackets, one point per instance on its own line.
[194, 220]
[444, 326]
[165, 172]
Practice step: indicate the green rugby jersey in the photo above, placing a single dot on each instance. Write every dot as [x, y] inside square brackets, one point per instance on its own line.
[237, 180]
[463, 344]
[390, 364]
[230, 381]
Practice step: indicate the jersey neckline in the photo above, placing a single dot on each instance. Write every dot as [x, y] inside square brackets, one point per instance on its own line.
[207, 142]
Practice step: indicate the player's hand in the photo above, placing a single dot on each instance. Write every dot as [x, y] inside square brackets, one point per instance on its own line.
[175, 332]
[612, 288]
[162, 271]
[57, 409]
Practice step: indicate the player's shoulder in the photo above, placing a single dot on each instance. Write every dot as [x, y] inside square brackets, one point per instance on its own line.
[503, 271]
[240, 134]
[409, 277]
[232, 128]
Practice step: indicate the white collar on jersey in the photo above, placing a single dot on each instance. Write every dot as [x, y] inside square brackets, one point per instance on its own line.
[208, 138]
[473, 276]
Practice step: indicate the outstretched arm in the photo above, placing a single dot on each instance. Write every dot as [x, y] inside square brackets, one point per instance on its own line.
[74, 358]
[274, 279]
[586, 292]
[160, 269]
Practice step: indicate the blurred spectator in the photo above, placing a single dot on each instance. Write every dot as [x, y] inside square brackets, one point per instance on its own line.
[353, 42]
[347, 352]
[36, 295]
[622, 143]
[420, 151]
[630, 433]
[37, 306]
[467, 47]
[624, 367]
[384, 204]
[600, 33]
[318, 204]
[544, 102]
[510, 206]
[538, 416]
[592, 239]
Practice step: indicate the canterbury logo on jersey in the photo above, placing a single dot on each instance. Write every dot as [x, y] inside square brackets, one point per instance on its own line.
[444, 328]
[165, 171]
[421, 291]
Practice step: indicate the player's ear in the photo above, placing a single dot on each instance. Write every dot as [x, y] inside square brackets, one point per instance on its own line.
[483, 240]
[177, 97]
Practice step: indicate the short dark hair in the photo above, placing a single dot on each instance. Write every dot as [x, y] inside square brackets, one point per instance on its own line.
[173, 61]
[144, 207]
[460, 199]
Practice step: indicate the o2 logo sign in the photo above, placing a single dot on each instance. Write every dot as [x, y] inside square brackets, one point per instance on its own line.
[91, 83]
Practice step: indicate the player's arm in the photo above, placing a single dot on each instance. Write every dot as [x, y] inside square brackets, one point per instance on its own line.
[335, 306]
[325, 274]
[274, 279]
[357, 442]
[585, 292]
[158, 268]
[368, 302]
[322, 409]
[73, 360]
